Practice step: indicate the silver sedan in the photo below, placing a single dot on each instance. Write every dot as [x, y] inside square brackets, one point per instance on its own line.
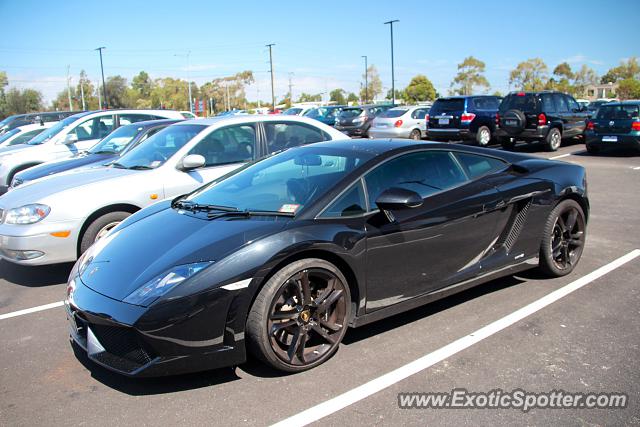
[401, 122]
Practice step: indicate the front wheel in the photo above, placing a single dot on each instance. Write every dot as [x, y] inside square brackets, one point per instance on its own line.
[100, 227]
[563, 239]
[300, 316]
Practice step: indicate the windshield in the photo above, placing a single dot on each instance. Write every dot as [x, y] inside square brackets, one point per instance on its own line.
[393, 113]
[350, 112]
[52, 131]
[286, 182]
[292, 112]
[5, 136]
[159, 148]
[620, 112]
[117, 140]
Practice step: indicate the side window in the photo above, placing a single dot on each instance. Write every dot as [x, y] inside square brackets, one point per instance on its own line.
[96, 128]
[351, 203]
[561, 103]
[425, 172]
[232, 144]
[573, 105]
[85, 130]
[127, 119]
[547, 103]
[281, 136]
[476, 166]
[418, 114]
[25, 137]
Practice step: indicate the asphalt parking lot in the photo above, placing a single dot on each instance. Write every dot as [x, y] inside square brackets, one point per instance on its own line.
[586, 341]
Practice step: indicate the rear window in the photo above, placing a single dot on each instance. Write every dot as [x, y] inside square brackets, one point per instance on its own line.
[447, 105]
[393, 113]
[350, 112]
[611, 112]
[526, 103]
[486, 103]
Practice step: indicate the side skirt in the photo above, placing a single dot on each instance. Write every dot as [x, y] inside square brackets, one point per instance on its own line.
[443, 293]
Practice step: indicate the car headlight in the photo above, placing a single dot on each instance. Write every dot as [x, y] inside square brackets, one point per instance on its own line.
[160, 285]
[27, 214]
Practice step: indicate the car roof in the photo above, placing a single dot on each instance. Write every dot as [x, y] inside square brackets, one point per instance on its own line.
[153, 123]
[627, 102]
[247, 118]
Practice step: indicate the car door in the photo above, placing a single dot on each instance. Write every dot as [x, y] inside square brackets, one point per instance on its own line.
[431, 246]
[89, 132]
[224, 150]
[577, 116]
[419, 116]
[563, 113]
[283, 135]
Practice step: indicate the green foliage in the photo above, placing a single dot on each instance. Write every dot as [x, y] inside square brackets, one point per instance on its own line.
[117, 93]
[470, 75]
[629, 88]
[400, 95]
[563, 70]
[629, 69]
[374, 87]
[352, 97]
[497, 93]
[419, 89]
[529, 75]
[583, 78]
[22, 101]
[337, 96]
[305, 97]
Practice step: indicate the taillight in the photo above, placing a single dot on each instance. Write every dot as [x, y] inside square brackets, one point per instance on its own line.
[398, 123]
[542, 119]
[520, 94]
[467, 117]
[426, 117]
[635, 126]
[497, 118]
[590, 125]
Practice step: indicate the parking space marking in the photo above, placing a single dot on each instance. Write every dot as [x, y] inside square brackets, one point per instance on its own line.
[350, 397]
[637, 168]
[560, 156]
[31, 310]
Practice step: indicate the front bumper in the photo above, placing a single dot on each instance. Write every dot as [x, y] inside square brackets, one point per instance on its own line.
[38, 237]
[623, 142]
[195, 333]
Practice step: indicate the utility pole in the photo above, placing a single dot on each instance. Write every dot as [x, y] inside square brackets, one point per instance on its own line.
[104, 87]
[69, 89]
[188, 54]
[273, 94]
[99, 95]
[84, 107]
[393, 78]
[226, 85]
[366, 79]
[290, 89]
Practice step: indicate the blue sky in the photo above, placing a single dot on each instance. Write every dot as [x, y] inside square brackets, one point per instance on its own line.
[321, 43]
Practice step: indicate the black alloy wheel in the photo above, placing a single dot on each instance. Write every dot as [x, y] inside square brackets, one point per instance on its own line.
[563, 240]
[300, 316]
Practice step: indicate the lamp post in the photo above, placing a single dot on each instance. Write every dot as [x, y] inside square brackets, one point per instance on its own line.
[104, 87]
[393, 79]
[188, 79]
[366, 79]
[273, 95]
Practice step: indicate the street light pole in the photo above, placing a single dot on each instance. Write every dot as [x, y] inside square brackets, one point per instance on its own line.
[393, 79]
[188, 79]
[366, 79]
[273, 94]
[104, 87]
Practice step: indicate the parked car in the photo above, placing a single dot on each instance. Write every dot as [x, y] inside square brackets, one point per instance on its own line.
[616, 126]
[55, 219]
[17, 120]
[23, 134]
[282, 257]
[326, 115]
[401, 122]
[539, 116]
[356, 121]
[69, 137]
[592, 108]
[297, 111]
[188, 115]
[463, 118]
[108, 149]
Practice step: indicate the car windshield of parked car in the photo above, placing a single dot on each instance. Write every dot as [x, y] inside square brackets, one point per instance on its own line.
[347, 113]
[52, 131]
[8, 135]
[286, 182]
[620, 112]
[159, 148]
[292, 112]
[393, 113]
[523, 102]
[318, 113]
[117, 140]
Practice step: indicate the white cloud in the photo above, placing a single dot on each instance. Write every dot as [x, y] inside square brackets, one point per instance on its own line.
[582, 59]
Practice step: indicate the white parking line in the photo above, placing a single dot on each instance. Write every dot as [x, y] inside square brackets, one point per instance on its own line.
[560, 156]
[352, 396]
[637, 168]
[31, 310]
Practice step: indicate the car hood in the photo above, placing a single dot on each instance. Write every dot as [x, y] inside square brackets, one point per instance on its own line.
[53, 168]
[13, 148]
[38, 190]
[135, 254]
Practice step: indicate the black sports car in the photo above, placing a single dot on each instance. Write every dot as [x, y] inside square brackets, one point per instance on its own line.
[283, 255]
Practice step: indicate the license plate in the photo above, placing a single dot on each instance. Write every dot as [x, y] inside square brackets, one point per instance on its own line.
[511, 123]
[609, 139]
[443, 121]
[381, 125]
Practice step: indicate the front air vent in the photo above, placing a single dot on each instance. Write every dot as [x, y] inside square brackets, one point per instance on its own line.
[514, 226]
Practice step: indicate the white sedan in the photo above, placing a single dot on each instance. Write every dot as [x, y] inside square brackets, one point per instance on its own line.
[56, 218]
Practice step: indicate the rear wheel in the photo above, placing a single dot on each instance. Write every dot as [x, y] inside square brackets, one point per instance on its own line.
[591, 149]
[300, 316]
[100, 227]
[553, 139]
[415, 135]
[507, 143]
[483, 136]
[563, 239]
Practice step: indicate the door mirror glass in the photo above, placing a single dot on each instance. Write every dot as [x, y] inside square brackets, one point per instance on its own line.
[398, 198]
[193, 161]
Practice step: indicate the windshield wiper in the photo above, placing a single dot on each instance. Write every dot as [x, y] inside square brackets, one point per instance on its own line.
[118, 165]
[248, 213]
[195, 207]
[139, 167]
[102, 152]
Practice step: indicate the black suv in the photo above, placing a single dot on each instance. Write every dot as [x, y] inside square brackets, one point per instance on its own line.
[539, 116]
[356, 121]
[463, 117]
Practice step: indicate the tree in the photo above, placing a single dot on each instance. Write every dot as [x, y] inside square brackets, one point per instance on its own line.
[226, 92]
[84, 86]
[142, 84]
[629, 69]
[352, 98]
[529, 75]
[337, 96]
[117, 95]
[400, 95]
[629, 89]
[470, 75]
[498, 93]
[561, 80]
[305, 97]
[4, 81]
[419, 89]
[22, 101]
[374, 85]
[583, 78]
[563, 70]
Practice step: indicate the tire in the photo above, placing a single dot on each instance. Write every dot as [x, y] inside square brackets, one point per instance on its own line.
[592, 150]
[553, 141]
[507, 143]
[99, 227]
[562, 242]
[415, 135]
[483, 136]
[274, 333]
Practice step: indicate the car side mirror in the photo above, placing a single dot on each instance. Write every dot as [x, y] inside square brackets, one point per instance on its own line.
[394, 199]
[192, 161]
[71, 138]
